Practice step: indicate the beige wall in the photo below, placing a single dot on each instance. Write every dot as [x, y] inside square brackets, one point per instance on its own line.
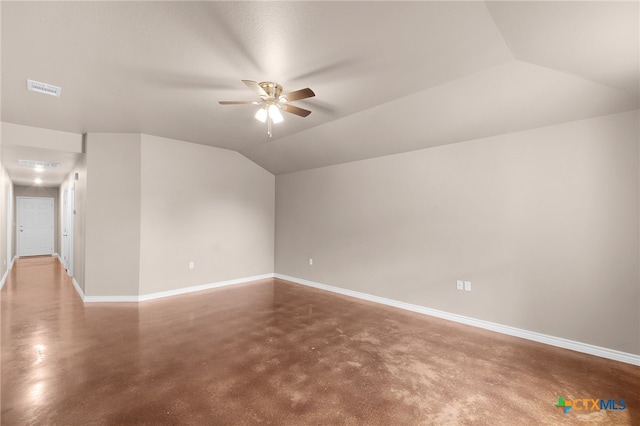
[543, 222]
[112, 214]
[152, 205]
[3, 218]
[3, 222]
[202, 204]
[80, 189]
[37, 191]
[6, 255]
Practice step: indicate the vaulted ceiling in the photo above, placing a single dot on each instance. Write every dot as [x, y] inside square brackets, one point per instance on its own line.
[389, 77]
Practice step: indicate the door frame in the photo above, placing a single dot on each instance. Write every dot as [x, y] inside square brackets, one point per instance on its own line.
[18, 217]
[10, 222]
[68, 200]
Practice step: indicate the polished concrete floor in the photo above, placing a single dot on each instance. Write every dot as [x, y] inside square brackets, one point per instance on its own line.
[273, 352]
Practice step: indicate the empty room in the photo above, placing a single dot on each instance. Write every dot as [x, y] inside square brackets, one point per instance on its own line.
[319, 213]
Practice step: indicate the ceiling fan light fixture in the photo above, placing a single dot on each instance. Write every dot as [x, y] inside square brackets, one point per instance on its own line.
[275, 114]
[261, 115]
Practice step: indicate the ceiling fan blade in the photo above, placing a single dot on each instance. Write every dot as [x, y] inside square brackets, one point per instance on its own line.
[238, 103]
[253, 85]
[295, 110]
[299, 94]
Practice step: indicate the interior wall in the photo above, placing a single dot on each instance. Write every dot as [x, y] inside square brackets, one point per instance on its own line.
[3, 218]
[205, 205]
[38, 191]
[5, 190]
[3, 210]
[80, 186]
[112, 214]
[544, 223]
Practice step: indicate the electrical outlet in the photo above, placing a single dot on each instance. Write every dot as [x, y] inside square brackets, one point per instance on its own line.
[467, 285]
[192, 265]
[459, 285]
[310, 261]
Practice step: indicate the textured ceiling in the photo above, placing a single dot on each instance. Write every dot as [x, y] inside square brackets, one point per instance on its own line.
[389, 77]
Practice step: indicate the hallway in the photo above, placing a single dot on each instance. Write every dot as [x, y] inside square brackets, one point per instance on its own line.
[274, 352]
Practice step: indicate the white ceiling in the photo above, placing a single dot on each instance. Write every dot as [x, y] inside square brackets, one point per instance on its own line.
[389, 77]
[25, 175]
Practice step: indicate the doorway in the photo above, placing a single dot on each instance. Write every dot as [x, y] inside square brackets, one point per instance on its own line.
[35, 226]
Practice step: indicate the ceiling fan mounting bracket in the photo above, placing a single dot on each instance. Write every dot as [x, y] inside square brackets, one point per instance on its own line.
[273, 90]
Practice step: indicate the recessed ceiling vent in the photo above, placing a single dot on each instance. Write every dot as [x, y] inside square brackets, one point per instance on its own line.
[43, 164]
[47, 89]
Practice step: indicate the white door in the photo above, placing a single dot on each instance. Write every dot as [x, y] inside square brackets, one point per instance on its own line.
[67, 230]
[35, 226]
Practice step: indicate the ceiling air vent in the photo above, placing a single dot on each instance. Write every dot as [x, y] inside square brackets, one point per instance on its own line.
[43, 164]
[47, 89]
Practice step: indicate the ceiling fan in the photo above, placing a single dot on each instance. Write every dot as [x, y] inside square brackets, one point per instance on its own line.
[272, 101]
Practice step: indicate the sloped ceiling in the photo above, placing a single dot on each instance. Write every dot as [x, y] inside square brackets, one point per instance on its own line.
[389, 77]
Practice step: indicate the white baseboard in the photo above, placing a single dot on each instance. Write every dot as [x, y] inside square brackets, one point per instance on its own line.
[174, 292]
[62, 263]
[78, 289]
[184, 290]
[4, 278]
[110, 299]
[504, 329]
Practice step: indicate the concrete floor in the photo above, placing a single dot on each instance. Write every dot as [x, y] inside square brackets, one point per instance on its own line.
[273, 352]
